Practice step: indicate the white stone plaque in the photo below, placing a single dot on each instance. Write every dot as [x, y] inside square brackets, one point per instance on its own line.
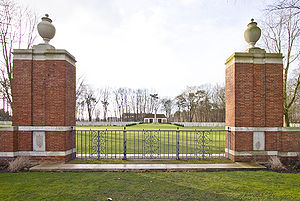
[39, 141]
[259, 141]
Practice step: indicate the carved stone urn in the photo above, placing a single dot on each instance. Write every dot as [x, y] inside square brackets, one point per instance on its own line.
[46, 29]
[252, 33]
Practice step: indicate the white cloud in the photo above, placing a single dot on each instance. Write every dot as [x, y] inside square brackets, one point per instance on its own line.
[162, 44]
[191, 2]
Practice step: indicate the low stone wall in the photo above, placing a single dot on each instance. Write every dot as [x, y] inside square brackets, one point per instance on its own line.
[185, 124]
[295, 124]
[200, 124]
[58, 143]
[260, 143]
[97, 123]
[5, 122]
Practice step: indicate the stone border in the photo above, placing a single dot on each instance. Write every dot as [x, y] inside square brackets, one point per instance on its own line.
[38, 128]
[42, 55]
[254, 58]
[261, 153]
[38, 153]
[46, 128]
[260, 129]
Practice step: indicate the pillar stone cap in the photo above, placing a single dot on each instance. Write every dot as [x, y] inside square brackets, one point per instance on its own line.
[255, 56]
[43, 54]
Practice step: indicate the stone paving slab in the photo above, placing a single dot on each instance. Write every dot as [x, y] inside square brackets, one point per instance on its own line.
[61, 167]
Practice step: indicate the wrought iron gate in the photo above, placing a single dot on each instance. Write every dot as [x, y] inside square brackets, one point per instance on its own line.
[150, 144]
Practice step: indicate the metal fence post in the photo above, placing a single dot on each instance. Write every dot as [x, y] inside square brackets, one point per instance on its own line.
[203, 145]
[72, 142]
[177, 144]
[124, 144]
[228, 143]
[98, 145]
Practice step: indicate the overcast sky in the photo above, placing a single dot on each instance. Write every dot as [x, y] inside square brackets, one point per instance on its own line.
[156, 44]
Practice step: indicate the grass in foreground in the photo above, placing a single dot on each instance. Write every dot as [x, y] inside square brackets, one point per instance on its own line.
[241, 185]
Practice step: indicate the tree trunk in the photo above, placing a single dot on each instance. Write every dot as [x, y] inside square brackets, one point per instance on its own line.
[286, 120]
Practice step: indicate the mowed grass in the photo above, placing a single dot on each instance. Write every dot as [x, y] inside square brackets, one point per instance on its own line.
[238, 185]
[164, 135]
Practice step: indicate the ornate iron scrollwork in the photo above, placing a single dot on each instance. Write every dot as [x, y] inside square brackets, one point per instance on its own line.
[98, 144]
[151, 144]
[202, 144]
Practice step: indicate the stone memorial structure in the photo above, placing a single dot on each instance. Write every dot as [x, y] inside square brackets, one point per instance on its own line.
[254, 105]
[43, 90]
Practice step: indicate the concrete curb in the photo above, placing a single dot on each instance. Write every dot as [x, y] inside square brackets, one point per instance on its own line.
[62, 167]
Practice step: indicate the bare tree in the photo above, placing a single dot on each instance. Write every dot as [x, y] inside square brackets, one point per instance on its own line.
[281, 34]
[204, 103]
[17, 30]
[105, 94]
[285, 4]
[121, 100]
[154, 102]
[141, 101]
[90, 101]
[218, 103]
[80, 89]
[294, 112]
[167, 106]
[180, 102]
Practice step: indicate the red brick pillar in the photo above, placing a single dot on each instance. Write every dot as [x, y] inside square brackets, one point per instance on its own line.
[44, 102]
[254, 104]
[43, 91]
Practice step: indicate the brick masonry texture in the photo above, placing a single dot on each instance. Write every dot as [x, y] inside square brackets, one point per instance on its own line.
[290, 141]
[60, 141]
[8, 141]
[253, 99]
[274, 141]
[43, 95]
[24, 141]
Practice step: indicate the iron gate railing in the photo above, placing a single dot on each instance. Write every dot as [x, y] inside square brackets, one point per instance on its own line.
[150, 144]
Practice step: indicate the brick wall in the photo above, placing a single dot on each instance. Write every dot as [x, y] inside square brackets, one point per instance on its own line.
[290, 141]
[21, 90]
[230, 95]
[8, 141]
[253, 99]
[44, 93]
[46, 98]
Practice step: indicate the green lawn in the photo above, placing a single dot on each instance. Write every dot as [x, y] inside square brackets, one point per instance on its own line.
[112, 139]
[240, 185]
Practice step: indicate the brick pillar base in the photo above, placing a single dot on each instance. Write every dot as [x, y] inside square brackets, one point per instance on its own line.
[254, 108]
[43, 92]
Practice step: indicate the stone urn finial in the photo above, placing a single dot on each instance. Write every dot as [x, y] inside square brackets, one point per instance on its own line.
[252, 33]
[46, 29]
